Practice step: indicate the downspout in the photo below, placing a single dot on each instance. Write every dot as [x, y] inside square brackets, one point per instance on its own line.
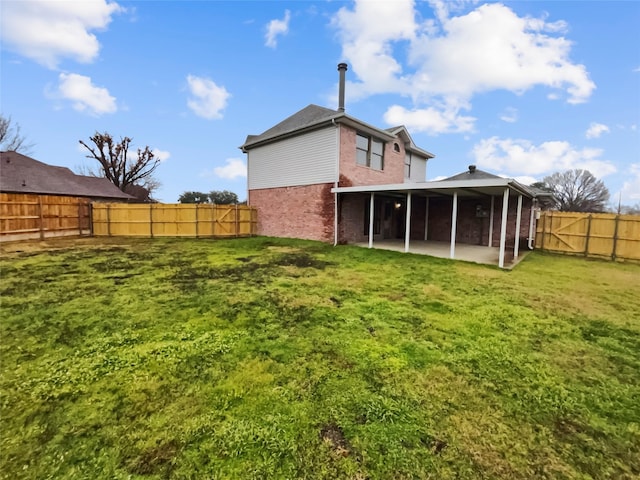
[336, 183]
[342, 68]
[531, 238]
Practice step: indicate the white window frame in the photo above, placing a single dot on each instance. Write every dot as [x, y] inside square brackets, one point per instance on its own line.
[367, 157]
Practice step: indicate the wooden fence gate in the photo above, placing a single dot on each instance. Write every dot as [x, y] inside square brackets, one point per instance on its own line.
[603, 235]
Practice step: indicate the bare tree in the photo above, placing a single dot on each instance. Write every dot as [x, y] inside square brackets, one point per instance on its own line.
[119, 166]
[11, 140]
[578, 191]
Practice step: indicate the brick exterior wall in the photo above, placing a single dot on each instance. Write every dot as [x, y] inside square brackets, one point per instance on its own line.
[355, 174]
[295, 212]
[352, 208]
[475, 230]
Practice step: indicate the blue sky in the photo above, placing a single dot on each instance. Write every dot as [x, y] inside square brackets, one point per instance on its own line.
[521, 89]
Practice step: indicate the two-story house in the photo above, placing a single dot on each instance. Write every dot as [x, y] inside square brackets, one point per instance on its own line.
[322, 174]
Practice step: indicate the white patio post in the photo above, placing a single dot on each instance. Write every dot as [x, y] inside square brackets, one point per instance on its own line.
[426, 219]
[454, 221]
[371, 205]
[518, 219]
[407, 228]
[490, 243]
[503, 227]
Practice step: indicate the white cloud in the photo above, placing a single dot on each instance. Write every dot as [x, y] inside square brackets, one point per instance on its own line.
[429, 120]
[84, 95]
[367, 33]
[47, 31]
[161, 155]
[630, 193]
[208, 99]
[596, 129]
[275, 28]
[525, 179]
[509, 115]
[521, 157]
[234, 168]
[452, 59]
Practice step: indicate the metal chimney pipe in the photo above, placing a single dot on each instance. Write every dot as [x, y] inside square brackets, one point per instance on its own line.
[342, 68]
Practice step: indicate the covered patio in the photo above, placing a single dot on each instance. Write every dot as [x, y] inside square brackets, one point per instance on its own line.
[464, 252]
[431, 217]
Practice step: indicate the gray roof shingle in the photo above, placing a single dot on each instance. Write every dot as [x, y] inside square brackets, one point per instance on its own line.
[307, 117]
[471, 175]
[22, 174]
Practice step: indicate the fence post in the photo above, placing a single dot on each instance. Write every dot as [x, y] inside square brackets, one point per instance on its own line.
[91, 219]
[196, 207]
[615, 237]
[586, 243]
[108, 219]
[41, 217]
[237, 224]
[214, 218]
[151, 220]
[544, 226]
[79, 217]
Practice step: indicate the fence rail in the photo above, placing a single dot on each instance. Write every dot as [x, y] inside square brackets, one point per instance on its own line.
[173, 220]
[29, 216]
[601, 235]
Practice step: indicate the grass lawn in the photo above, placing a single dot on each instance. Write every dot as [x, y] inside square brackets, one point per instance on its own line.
[268, 358]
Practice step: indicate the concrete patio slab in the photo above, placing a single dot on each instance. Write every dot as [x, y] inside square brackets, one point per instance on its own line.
[469, 253]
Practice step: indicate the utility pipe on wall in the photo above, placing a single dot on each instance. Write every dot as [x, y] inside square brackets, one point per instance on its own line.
[531, 227]
[516, 247]
[371, 205]
[490, 242]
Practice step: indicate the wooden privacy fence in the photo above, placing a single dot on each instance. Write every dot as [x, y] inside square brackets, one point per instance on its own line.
[26, 216]
[604, 235]
[173, 220]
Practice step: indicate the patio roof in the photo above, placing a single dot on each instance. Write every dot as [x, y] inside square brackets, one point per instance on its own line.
[474, 183]
[464, 188]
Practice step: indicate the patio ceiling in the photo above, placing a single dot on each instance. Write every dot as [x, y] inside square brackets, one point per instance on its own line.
[464, 188]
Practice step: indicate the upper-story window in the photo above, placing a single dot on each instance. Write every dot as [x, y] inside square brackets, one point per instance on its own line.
[369, 152]
[407, 165]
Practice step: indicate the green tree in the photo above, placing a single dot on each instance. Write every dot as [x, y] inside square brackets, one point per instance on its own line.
[193, 197]
[224, 197]
[577, 191]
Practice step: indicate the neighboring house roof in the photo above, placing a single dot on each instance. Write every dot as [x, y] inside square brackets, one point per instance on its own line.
[22, 174]
[313, 116]
[471, 174]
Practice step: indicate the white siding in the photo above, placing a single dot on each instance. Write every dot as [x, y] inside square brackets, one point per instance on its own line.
[418, 169]
[301, 160]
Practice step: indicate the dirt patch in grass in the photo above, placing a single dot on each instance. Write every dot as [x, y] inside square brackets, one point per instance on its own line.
[300, 260]
[189, 277]
[332, 435]
[154, 460]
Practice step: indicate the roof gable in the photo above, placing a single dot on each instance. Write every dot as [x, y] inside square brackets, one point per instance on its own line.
[307, 117]
[22, 174]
